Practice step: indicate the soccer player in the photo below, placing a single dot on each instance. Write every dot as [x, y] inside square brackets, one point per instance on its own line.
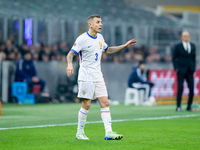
[90, 46]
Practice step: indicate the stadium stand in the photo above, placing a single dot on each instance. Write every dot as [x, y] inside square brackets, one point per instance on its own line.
[70, 9]
[137, 20]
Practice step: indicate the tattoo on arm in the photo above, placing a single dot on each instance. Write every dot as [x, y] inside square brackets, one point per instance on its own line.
[112, 50]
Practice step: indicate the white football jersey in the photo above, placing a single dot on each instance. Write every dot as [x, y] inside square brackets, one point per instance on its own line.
[90, 50]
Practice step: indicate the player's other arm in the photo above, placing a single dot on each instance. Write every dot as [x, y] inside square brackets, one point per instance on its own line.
[115, 49]
[69, 58]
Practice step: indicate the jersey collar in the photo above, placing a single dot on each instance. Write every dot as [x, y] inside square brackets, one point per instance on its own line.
[91, 36]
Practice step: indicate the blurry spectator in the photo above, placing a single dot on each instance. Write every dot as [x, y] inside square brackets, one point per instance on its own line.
[26, 72]
[18, 55]
[45, 57]
[54, 48]
[11, 56]
[24, 48]
[145, 51]
[37, 48]
[53, 56]
[138, 54]
[138, 80]
[2, 47]
[167, 58]
[8, 47]
[63, 48]
[128, 57]
[116, 59]
[154, 56]
[121, 58]
[58, 53]
[47, 49]
[35, 56]
[63, 58]
[3, 56]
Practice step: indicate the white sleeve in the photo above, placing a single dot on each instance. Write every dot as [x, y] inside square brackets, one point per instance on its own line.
[78, 45]
[105, 46]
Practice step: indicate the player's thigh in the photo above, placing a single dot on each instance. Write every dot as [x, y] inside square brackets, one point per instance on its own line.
[101, 94]
[86, 90]
[100, 89]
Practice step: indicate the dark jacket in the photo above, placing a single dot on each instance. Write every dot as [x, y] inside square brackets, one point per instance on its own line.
[182, 60]
[25, 70]
[136, 77]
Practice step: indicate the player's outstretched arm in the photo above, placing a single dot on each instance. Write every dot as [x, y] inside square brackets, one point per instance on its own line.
[69, 58]
[115, 49]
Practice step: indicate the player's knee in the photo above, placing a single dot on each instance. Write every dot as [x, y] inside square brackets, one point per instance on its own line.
[106, 104]
[86, 104]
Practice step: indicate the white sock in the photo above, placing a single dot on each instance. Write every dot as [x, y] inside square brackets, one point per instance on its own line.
[105, 115]
[82, 115]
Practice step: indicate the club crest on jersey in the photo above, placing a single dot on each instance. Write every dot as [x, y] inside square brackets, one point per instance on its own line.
[83, 92]
[100, 44]
[74, 44]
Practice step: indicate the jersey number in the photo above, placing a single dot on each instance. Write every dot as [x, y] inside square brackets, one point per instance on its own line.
[96, 58]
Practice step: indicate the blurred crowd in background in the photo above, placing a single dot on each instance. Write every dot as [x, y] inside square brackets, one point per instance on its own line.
[58, 52]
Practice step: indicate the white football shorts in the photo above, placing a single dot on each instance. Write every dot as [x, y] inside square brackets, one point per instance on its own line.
[91, 90]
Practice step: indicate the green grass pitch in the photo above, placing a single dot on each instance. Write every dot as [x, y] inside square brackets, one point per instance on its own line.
[144, 128]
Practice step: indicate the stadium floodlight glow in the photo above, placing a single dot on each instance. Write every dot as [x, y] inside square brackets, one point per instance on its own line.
[28, 31]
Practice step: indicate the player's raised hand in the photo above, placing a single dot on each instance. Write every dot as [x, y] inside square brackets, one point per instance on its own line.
[70, 70]
[130, 43]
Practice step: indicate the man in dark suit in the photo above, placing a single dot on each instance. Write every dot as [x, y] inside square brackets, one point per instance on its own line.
[184, 57]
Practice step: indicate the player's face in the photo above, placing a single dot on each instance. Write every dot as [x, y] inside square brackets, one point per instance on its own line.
[186, 37]
[96, 24]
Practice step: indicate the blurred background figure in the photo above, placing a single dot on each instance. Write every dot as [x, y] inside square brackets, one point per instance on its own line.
[63, 48]
[3, 56]
[26, 72]
[139, 80]
[184, 62]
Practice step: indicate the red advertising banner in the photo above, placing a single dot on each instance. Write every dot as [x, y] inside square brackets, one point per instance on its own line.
[166, 83]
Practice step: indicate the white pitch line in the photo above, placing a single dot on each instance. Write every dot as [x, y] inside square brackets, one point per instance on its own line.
[10, 117]
[91, 122]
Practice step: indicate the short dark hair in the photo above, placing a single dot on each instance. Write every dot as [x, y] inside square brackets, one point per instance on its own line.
[24, 52]
[93, 16]
[141, 62]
